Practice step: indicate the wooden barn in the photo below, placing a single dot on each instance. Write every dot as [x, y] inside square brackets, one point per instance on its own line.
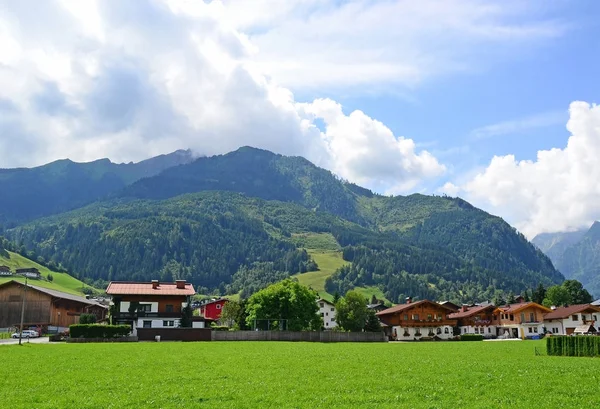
[43, 307]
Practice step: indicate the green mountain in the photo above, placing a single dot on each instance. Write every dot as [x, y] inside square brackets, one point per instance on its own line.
[238, 221]
[30, 193]
[576, 255]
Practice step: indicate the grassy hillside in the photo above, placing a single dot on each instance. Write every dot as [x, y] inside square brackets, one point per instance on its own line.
[329, 262]
[61, 281]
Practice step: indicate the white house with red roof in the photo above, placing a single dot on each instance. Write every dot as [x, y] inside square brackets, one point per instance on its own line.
[149, 304]
[476, 319]
[565, 320]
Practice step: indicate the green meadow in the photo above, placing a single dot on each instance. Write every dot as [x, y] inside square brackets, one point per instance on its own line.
[296, 375]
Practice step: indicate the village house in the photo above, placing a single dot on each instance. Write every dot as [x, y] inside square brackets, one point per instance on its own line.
[43, 307]
[327, 312]
[418, 320]
[476, 320]
[568, 319]
[212, 309]
[150, 304]
[5, 271]
[523, 320]
[32, 273]
[377, 307]
[450, 305]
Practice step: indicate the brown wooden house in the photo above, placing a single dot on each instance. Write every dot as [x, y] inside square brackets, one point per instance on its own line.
[418, 320]
[43, 307]
[478, 319]
[521, 320]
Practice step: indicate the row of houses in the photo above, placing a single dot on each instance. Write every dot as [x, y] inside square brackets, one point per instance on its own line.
[417, 320]
[32, 273]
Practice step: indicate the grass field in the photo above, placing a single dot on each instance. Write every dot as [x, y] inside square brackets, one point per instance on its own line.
[296, 375]
[328, 262]
[61, 281]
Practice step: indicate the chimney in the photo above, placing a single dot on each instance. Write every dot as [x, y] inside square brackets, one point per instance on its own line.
[180, 284]
[464, 308]
[408, 300]
[155, 284]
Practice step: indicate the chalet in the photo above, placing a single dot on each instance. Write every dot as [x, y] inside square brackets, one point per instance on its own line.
[29, 273]
[476, 320]
[5, 271]
[417, 320]
[212, 309]
[149, 304]
[565, 320]
[522, 320]
[43, 307]
[327, 312]
[449, 304]
[377, 307]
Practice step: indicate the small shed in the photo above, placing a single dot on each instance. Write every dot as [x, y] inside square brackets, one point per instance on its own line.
[585, 330]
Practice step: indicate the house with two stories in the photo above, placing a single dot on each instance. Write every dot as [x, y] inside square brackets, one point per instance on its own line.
[521, 320]
[44, 307]
[32, 273]
[327, 312]
[149, 304]
[567, 319]
[476, 319]
[417, 320]
[5, 271]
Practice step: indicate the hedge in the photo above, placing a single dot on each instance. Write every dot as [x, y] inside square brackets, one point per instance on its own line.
[98, 331]
[471, 337]
[573, 346]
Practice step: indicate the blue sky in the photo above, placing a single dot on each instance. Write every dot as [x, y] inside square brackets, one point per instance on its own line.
[462, 97]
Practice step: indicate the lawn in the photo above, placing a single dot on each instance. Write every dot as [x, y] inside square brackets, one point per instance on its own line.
[296, 375]
[61, 281]
[328, 262]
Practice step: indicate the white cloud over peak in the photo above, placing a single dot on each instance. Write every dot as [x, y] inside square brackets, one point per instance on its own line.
[128, 80]
[559, 191]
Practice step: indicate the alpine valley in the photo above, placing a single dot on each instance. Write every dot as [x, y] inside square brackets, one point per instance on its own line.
[235, 223]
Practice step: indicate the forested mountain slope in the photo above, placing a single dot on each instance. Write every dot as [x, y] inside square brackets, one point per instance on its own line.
[230, 221]
[30, 193]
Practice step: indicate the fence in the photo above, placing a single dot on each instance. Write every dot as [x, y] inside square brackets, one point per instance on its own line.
[86, 340]
[583, 345]
[174, 334]
[304, 336]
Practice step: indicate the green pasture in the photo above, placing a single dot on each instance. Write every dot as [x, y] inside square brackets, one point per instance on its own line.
[296, 375]
[328, 262]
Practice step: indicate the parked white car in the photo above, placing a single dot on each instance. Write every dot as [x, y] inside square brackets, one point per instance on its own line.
[27, 333]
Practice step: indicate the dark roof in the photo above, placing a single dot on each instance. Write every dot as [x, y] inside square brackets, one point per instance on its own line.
[402, 307]
[324, 300]
[471, 311]
[564, 312]
[449, 304]
[57, 294]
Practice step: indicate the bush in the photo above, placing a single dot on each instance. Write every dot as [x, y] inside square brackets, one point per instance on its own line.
[573, 346]
[219, 327]
[87, 319]
[98, 331]
[471, 337]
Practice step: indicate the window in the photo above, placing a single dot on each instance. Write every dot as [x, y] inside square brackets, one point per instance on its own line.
[145, 307]
[446, 330]
[326, 324]
[219, 306]
[165, 323]
[476, 330]
[169, 308]
[327, 314]
[575, 317]
[535, 330]
[429, 316]
[530, 330]
[555, 330]
[332, 319]
[522, 317]
[416, 317]
[322, 304]
[582, 317]
[464, 330]
[512, 317]
[595, 318]
[439, 330]
[532, 317]
[332, 309]
[405, 317]
[322, 314]
[147, 324]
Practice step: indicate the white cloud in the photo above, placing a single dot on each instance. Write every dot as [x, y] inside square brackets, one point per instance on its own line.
[128, 80]
[558, 191]
[542, 120]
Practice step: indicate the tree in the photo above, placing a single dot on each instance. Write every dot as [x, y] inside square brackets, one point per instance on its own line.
[336, 297]
[557, 295]
[87, 319]
[374, 299]
[287, 300]
[526, 296]
[49, 277]
[539, 294]
[372, 324]
[579, 295]
[186, 316]
[511, 298]
[352, 311]
[230, 313]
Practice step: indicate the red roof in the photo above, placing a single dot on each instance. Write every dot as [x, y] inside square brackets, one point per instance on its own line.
[564, 312]
[471, 311]
[402, 307]
[133, 288]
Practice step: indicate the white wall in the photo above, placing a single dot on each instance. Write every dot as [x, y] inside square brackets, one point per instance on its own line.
[158, 322]
[570, 323]
[327, 311]
[488, 331]
[446, 332]
[197, 324]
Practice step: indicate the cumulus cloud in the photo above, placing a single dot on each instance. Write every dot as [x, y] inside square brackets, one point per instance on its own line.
[128, 80]
[559, 191]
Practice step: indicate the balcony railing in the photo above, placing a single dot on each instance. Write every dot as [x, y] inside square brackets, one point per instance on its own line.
[144, 314]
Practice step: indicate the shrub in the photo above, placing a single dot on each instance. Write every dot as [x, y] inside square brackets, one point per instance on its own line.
[471, 337]
[87, 319]
[573, 346]
[98, 331]
[219, 327]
